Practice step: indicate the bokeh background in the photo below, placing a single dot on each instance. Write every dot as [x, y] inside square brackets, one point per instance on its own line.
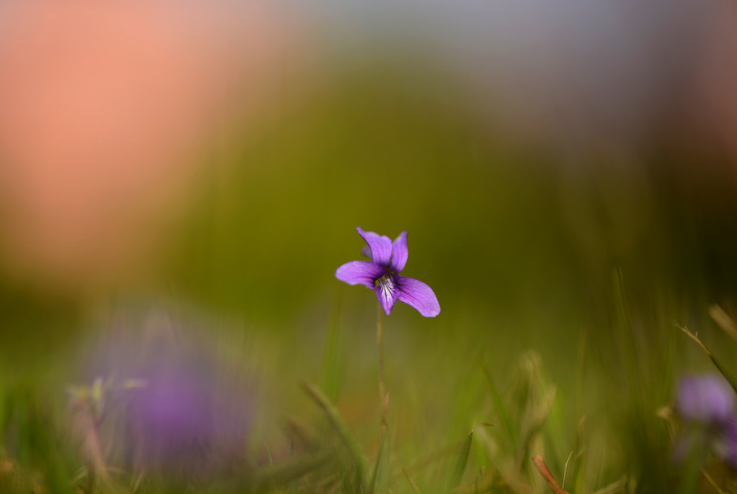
[567, 174]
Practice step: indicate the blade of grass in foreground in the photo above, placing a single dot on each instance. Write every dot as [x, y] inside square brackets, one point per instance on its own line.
[723, 321]
[337, 422]
[380, 480]
[627, 340]
[727, 375]
[501, 410]
[460, 467]
[411, 482]
[38, 445]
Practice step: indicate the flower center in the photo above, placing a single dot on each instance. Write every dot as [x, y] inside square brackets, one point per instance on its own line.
[386, 285]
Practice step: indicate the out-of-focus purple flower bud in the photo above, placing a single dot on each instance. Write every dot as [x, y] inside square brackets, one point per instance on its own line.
[707, 399]
[190, 415]
[185, 420]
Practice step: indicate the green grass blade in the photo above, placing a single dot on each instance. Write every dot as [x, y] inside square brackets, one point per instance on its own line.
[336, 421]
[460, 467]
[724, 321]
[382, 467]
[501, 409]
[723, 370]
[627, 340]
[411, 482]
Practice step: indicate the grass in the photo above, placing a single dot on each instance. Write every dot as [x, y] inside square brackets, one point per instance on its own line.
[478, 430]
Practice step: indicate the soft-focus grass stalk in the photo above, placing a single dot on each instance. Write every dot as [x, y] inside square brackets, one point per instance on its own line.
[455, 480]
[720, 367]
[382, 466]
[627, 340]
[411, 482]
[344, 433]
[499, 405]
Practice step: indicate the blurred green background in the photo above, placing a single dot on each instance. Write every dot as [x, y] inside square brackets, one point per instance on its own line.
[589, 256]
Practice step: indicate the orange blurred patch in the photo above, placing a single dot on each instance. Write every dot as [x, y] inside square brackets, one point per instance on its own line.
[105, 106]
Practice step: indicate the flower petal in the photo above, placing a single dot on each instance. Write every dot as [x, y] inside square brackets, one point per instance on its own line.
[400, 253]
[366, 251]
[388, 293]
[381, 247]
[417, 295]
[360, 272]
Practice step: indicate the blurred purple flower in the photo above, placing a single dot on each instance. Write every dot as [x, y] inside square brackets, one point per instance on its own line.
[381, 274]
[189, 415]
[705, 399]
[707, 406]
[187, 421]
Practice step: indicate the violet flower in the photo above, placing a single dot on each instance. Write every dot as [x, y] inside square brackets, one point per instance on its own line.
[191, 418]
[706, 404]
[381, 274]
[705, 399]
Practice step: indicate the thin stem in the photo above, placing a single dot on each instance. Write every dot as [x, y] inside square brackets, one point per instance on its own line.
[380, 344]
[411, 482]
[539, 463]
[565, 471]
[711, 481]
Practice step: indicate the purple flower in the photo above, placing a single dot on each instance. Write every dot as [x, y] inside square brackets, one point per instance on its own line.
[705, 399]
[382, 275]
[706, 404]
[190, 414]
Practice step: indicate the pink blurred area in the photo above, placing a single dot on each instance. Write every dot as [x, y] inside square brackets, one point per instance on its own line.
[105, 106]
[716, 100]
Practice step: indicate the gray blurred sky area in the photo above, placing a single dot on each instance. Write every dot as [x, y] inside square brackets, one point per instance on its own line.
[570, 69]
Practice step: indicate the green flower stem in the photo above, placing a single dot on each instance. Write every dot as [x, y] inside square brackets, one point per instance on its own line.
[380, 343]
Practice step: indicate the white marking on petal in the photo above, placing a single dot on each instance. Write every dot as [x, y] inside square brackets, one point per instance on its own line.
[387, 288]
